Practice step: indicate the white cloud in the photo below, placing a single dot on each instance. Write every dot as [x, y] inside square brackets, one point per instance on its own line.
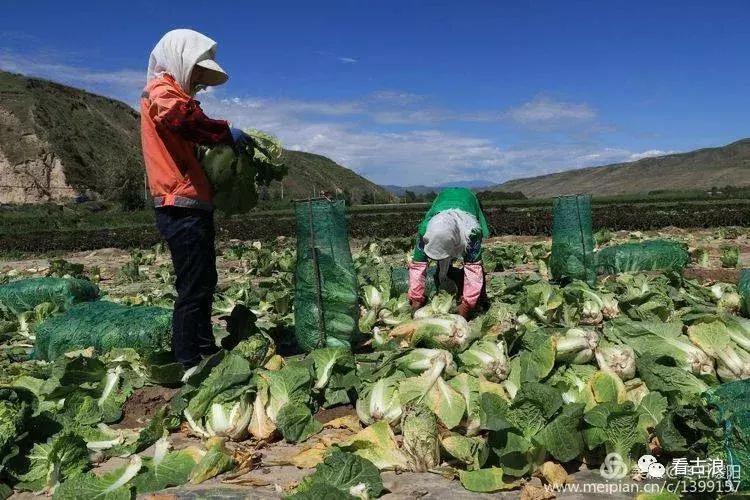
[339, 58]
[545, 112]
[124, 84]
[395, 97]
[406, 117]
[424, 147]
[416, 156]
[71, 74]
[649, 154]
[293, 107]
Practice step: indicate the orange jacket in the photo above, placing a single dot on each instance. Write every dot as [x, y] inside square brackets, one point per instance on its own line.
[172, 123]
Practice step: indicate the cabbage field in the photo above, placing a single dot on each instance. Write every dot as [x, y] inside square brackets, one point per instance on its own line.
[536, 389]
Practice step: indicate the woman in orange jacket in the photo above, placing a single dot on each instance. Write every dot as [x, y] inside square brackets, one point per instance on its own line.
[172, 123]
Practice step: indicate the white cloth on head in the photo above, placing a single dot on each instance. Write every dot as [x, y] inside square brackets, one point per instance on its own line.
[448, 234]
[178, 52]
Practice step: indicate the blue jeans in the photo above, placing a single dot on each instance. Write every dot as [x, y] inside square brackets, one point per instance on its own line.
[190, 234]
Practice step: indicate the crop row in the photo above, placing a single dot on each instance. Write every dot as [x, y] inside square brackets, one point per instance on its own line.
[502, 220]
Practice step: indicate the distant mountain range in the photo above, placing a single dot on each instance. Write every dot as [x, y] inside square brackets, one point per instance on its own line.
[700, 169]
[58, 141]
[420, 189]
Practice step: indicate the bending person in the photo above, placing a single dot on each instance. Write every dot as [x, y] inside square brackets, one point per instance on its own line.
[453, 228]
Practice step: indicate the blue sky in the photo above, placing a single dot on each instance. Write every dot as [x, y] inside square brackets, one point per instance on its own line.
[409, 92]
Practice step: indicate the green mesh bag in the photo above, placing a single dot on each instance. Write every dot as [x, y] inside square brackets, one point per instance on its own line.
[572, 240]
[326, 306]
[19, 296]
[743, 288]
[653, 255]
[104, 325]
[732, 400]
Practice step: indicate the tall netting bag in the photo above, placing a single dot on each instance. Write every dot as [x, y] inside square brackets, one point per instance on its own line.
[732, 400]
[572, 240]
[104, 326]
[24, 295]
[652, 255]
[743, 287]
[326, 308]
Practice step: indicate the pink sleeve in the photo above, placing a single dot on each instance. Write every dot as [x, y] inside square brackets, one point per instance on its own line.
[473, 282]
[417, 280]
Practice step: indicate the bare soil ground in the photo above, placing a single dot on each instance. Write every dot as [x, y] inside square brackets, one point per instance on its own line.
[142, 405]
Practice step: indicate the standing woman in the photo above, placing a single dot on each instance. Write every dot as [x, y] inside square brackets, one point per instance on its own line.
[172, 123]
[453, 228]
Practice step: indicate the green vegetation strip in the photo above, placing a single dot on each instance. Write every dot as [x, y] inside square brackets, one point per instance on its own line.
[87, 233]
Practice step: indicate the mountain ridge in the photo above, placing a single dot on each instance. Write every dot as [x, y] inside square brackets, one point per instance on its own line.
[703, 168]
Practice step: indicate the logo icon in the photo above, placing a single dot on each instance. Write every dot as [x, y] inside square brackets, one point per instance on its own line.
[656, 471]
[613, 467]
[645, 462]
[650, 468]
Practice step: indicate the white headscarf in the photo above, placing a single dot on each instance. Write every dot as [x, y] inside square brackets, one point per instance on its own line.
[448, 234]
[178, 52]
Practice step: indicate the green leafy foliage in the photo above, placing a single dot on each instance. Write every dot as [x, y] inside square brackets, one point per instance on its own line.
[236, 174]
[65, 457]
[166, 468]
[615, 427]
[730, 256]
[296, 422]
[485, 480]
[342, 471]
[215, 461]
[115, 485]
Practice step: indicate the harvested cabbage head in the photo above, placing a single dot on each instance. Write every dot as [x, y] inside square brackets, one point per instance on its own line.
[229, 420]
[421, 441]
[498, 320]
[257, 349]
[486, 358]
[729, 303]
[380, 401]
[576, 346]
[610, 306]
[420, 360]
[636, 390]
[591, 313]
[372, 298]
[730, 256]
[441, 304]
[619, 359]
[235, 175]
[701, 257]
[571, 381]
[715, 340]
[261, 426]
[541, 302]
[450, 332]
[604, 387]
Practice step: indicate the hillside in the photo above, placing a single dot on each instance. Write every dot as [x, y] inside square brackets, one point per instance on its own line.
[58, 141]
[702, 169]
[310, 173]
